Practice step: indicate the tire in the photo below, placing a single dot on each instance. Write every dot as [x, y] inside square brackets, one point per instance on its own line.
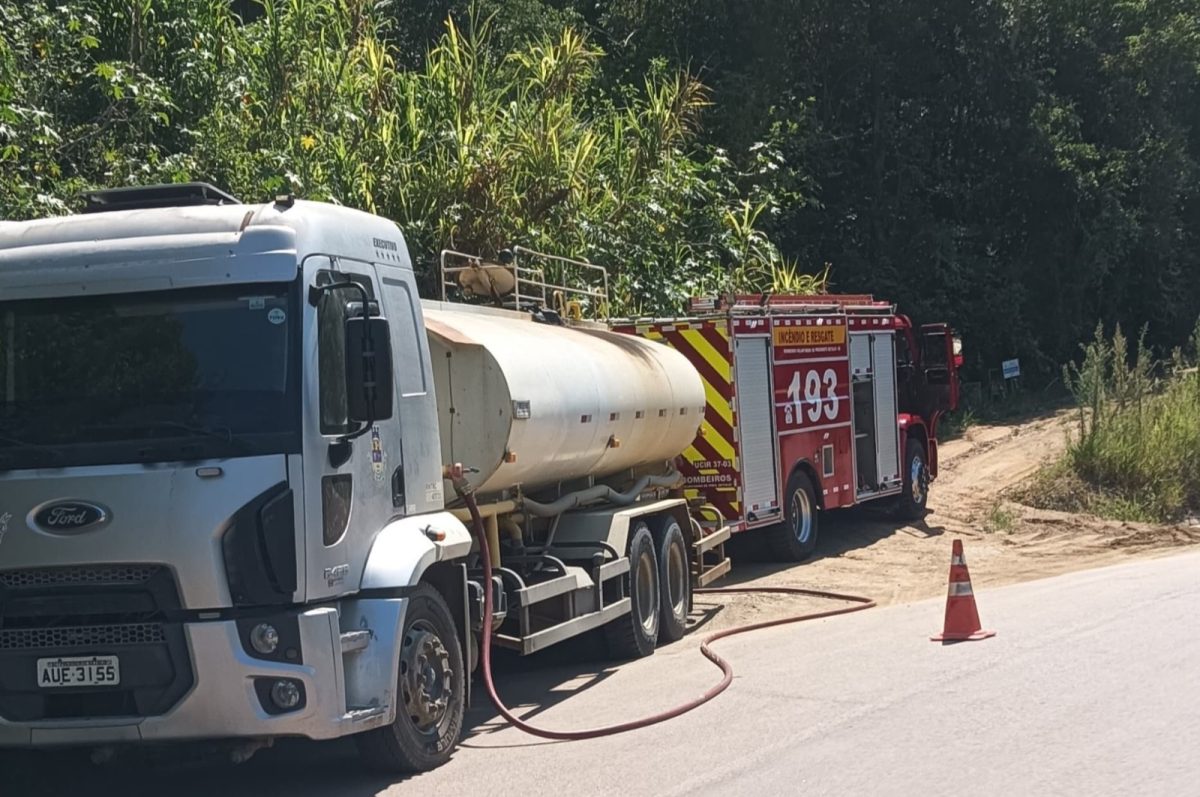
[634, 635]
[674, 581]
[428, 721]
[916, 481]
[795, 539]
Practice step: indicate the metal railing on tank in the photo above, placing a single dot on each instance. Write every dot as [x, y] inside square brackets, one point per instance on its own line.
[527, 280]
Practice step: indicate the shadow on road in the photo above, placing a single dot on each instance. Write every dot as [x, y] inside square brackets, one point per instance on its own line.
[292, 768]
[841, 532]
[531, 685]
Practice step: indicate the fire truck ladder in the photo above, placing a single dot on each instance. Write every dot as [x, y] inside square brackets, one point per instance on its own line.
[765, 304]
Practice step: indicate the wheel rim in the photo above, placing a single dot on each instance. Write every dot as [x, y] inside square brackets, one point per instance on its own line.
[677, 579]
[647, 597]
[801, 516]
[916, 478]
[426, 677]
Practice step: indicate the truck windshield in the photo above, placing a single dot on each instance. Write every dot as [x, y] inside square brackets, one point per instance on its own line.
[162, 376]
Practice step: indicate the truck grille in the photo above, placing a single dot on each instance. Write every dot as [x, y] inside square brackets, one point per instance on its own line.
[87, 575]
[94, 636]
[127, 610]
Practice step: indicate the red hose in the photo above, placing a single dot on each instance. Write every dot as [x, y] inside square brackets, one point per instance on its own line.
[653, 719]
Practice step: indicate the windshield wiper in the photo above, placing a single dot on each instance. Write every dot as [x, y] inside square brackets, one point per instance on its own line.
[15, 444]
[18, 443]
[222, 433]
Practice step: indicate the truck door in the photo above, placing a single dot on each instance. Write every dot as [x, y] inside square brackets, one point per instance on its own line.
[348, 485]
[940, 357]
[416, 474]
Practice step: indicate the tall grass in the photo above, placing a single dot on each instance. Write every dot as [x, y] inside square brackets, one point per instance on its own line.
[480, 148]
[1136, 447]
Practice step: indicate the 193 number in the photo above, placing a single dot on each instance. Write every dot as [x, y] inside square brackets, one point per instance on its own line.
[819, 394]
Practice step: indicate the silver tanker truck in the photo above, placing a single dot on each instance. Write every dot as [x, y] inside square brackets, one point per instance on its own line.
[224, 438]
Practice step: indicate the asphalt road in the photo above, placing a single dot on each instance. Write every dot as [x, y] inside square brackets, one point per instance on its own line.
[1092, 686]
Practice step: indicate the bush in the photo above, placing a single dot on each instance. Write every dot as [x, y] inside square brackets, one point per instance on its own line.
[1136, 450]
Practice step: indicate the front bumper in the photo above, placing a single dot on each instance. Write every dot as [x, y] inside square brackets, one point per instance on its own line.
[223, 701]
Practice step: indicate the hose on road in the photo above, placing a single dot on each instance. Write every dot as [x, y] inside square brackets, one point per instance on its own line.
[860, 604]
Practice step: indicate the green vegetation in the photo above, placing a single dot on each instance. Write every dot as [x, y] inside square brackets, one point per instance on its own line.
[1135, 453]
[474, 148]
[1021, 168]
[1000, 519]
[956, 424]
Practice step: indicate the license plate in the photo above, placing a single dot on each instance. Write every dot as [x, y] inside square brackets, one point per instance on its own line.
[86, 671]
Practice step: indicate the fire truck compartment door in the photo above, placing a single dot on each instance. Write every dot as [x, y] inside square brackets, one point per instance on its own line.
[860, 355]
[756, 424]
[887, 431]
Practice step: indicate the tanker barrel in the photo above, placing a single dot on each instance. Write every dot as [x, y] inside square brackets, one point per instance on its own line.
[535, 404]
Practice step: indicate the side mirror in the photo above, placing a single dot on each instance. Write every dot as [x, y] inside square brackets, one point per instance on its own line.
[369, 376]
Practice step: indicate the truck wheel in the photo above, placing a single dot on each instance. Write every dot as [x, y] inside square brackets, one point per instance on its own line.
[430, 694]
[675, 581]
[796, 538]
[916, 481]
[634, 635]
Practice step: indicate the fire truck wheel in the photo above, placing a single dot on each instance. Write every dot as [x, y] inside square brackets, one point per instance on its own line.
[796, 538]
[675, 581]
[916, 481]
[634, 635]
[431, 692]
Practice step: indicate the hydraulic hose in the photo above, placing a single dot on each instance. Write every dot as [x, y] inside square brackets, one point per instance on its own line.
[726, 670]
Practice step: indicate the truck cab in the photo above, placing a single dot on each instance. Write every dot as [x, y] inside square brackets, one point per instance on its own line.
[180, 470]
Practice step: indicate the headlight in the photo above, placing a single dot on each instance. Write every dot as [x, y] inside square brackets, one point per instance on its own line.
[264, 638]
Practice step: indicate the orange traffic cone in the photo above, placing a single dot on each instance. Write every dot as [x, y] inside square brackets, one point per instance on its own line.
[962, 618]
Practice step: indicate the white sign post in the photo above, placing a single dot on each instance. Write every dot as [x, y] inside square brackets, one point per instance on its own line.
[1012, 369]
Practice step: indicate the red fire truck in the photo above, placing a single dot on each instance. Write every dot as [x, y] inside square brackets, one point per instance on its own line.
[814, 403]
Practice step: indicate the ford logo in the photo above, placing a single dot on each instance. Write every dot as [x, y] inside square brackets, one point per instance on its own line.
[70, 517]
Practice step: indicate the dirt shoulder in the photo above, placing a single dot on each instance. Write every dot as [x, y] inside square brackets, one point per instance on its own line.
[866, 552]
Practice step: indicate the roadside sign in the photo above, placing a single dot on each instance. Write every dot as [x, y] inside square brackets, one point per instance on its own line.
[1012, 369]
